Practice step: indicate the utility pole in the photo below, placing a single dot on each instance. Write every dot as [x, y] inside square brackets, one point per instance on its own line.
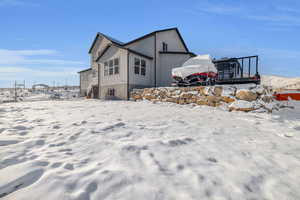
[15, 91]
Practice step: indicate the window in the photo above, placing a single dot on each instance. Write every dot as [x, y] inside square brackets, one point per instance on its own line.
[165, 46]
[140, 66]
[111, 67]
[105, 69]
[116, 65]
[111, 92]
[143, 67]
[136, 66]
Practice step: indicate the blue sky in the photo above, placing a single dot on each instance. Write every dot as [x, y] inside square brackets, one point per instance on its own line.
[48, 40]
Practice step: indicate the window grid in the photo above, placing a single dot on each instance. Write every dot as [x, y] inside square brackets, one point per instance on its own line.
[111, 67]
[140, 66]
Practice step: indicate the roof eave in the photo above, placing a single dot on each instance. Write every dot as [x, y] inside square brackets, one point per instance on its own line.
[85, 70]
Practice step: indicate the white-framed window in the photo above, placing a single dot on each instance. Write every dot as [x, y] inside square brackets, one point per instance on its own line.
[112, 67]
[105, 68]
[116, 66]
[140, 66]
[137, 63]
[111, 92]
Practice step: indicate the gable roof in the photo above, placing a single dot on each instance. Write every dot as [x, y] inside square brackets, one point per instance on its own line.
[121, 47]
[85, 70]
[119, 43]
[158, 31]
[113, 40]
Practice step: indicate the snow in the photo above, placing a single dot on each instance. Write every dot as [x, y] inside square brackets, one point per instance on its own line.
[198, 64]
[92, 149]
[8, 95]
[281, 82]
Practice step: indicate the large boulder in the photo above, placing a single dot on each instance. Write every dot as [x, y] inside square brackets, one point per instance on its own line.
[246, 95]
[229, 91]
[136, 97]
[209, 101]
[186, 95]
[218, 91]
[241, 105]
[214, 100]
[149, 97]
[200, 90]
[228, 99]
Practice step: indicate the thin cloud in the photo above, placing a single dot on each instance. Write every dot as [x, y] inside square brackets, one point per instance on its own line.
[16, 3]
[279, 19]
[273, 16]
[41, 65]
[26, 57]
[21, 73]
[220, 9]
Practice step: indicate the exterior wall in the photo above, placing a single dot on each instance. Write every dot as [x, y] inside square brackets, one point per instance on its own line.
[145, 46]
[136, 79]
[172, 39]
[120, 92]
[100, 45]
[84, 82]
[167, 62]
[116, 79]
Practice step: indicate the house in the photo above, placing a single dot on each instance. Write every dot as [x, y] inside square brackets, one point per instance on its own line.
[117, 67]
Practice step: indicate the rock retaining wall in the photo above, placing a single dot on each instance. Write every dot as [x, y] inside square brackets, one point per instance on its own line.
[233, 98]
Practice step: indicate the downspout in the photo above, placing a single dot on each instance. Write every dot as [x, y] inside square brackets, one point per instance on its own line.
[99, 93]
[80, 90]
[128, 94]
[155, 60]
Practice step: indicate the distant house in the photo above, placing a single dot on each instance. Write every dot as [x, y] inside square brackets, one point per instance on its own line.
[117, 67]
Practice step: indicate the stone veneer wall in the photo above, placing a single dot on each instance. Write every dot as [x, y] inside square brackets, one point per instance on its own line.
[235, 98]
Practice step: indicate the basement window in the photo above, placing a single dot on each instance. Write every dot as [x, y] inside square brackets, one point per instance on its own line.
[111, 92]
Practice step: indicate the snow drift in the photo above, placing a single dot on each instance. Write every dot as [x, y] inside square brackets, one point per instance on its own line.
[91, 149]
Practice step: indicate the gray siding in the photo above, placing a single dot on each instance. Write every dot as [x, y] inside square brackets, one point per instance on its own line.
[167, 62]
[116, 79]
[85, 78]
[137, 79]
[120, 92]
[145, 46]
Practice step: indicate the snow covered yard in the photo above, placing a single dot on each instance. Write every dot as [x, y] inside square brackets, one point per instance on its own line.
[91, 149]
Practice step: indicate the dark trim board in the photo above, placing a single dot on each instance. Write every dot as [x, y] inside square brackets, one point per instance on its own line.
[158, 31]
[114, 41]
[103, 52]
[119, 43]
[177, 52]
[155, 60]
[85, 70]
[140, 54]
[130, 50]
